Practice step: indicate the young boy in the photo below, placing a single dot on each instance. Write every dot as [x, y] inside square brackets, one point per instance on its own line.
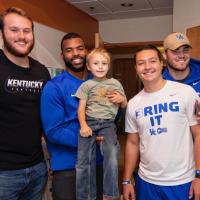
[100, 99]
[163, 133]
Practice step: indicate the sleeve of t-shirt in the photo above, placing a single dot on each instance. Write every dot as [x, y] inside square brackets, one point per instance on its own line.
[130, 121]
[120, 88]
[82, 92]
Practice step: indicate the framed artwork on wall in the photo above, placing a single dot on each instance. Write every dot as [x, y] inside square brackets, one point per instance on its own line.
[54, 71]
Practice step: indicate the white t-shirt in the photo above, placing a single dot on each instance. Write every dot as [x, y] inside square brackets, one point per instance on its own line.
[163, 121]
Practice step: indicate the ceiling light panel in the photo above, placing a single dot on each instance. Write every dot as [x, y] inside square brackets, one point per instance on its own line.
[161, 3]
[115, 5]
[91, 7]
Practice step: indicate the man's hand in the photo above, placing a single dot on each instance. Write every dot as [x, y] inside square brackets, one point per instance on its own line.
[195, 189]
[128, 192]
[115, 97]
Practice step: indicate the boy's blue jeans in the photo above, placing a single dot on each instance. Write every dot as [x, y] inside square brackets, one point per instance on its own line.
[86, 163]
[23, 184]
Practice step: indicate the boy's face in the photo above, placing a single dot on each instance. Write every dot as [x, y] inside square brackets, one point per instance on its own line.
[98, 65]
[148, 66]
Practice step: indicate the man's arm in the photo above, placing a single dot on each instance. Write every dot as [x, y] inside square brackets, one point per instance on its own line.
[53, 118]
[131, 160]
[85, 130]
[195, 187]
[197, 110]
[124, 102]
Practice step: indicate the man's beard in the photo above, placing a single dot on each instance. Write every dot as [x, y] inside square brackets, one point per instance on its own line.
[177, 69]
[69, 65]
[11, 49]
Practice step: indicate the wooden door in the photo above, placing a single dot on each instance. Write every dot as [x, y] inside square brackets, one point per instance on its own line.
[123, 70]
[194, 37]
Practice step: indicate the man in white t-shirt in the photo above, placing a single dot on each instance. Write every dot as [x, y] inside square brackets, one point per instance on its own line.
[163, 130]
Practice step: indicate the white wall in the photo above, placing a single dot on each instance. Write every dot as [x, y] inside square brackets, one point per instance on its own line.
[186, 14]
[136, 30]
[47, 46]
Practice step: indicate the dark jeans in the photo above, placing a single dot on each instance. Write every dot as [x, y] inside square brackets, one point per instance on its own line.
[23, 184]
[86, 170]
[64, 184]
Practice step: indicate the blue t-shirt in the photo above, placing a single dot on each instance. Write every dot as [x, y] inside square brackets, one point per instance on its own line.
[193, 78]
[60, 121]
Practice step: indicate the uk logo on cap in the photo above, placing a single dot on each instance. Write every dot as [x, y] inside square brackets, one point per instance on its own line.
[180, 37]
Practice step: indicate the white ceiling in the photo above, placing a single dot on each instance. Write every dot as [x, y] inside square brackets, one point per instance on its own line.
[112, 9]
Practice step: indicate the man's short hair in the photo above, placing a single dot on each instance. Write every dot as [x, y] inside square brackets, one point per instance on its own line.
[148, 47]
[69, 36]
[14, 10]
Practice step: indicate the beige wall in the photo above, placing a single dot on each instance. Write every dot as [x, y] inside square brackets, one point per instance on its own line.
[57, 14]
[136, 30]
[47, 46]
[52, 19]
[186, 14]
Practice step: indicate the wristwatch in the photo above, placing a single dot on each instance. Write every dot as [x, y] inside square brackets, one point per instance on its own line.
[197, 174]
[126, 182]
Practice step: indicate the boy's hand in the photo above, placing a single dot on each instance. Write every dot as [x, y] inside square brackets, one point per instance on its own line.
[86, 131]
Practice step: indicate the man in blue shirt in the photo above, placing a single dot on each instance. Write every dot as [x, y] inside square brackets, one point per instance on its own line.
[59, 116]
[180, 66]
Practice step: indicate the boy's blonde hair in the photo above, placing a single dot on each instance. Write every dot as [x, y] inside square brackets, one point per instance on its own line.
[100, 51]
